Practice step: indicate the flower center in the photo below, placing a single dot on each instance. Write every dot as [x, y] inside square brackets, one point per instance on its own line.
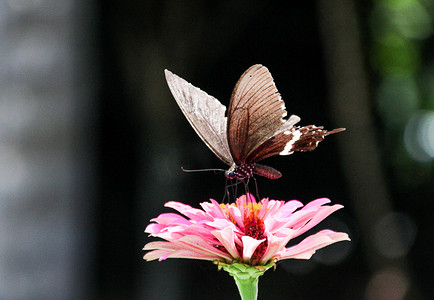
[255, 228]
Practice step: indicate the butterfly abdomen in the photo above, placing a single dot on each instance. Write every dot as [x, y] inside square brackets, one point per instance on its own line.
[266, 171]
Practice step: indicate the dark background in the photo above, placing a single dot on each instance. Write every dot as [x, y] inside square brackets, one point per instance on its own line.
[329, 63]
[92, 142]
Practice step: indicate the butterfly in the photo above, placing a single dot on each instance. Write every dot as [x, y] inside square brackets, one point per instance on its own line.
[255, 127]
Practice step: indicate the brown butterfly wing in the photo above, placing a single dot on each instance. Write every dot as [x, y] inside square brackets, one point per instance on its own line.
[205, 114]
[255, 113]
[293, 139]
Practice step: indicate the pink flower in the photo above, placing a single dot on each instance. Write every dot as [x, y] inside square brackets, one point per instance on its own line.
[244, 232]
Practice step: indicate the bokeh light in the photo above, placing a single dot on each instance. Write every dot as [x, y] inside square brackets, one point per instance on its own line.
[388, 284]
[395, 234]
[419, 136]
[13, 171]
[397, 99]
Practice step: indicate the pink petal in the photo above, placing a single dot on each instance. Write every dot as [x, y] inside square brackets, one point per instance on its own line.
[188, 247]
[227, 238]
[188, 211]
[178, 206]
[154, 228]
[213, 209]
[170, 218]
[200, 230]
[222, 223]
[290, 206]
[306, 248]
[177, 250]
[243, 203]
[276, 244]
[323, 213]
[270, 208]
[168, 236]
[158, 245]
[249, 246]
[316, 203]
[162, 255]
[266, 206]
[199, 245]
[275, 223]
[182, 253]
[236, 215]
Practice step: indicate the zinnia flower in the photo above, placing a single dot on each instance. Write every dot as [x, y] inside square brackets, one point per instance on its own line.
[242, 237]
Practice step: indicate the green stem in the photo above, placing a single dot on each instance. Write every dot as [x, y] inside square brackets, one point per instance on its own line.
[248, 287]
[246, 277]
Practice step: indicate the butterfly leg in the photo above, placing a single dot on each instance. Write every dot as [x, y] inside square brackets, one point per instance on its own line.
[226, 193]
[257, 190]
[246, 186]
[235, 189]
[231, 187]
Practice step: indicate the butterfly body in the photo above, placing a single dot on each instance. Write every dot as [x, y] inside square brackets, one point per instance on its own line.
[244, 171]
[255, 127]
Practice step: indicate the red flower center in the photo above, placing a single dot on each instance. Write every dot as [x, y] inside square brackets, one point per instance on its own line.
[254, 227]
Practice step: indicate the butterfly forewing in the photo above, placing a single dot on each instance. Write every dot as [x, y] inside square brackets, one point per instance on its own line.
[255, 113]
[205, 114]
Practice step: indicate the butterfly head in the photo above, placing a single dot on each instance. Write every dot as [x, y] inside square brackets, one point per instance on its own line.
[231, 172]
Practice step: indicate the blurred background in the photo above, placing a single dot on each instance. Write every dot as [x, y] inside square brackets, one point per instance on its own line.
[91, 141]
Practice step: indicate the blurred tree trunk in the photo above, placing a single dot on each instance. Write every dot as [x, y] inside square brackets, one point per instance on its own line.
[360, 152]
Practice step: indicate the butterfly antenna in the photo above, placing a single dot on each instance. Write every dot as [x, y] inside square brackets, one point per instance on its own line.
[202, 170]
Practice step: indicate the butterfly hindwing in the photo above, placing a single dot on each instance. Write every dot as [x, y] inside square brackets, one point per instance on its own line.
[308, 138]
[293, 139]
